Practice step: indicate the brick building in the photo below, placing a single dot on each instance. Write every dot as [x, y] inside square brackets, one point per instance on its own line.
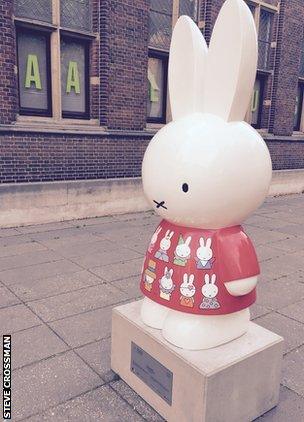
[83, 83]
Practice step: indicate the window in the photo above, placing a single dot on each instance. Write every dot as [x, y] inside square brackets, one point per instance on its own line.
[157, 80]
[163, 15]
[257, 101]
[34, 72]
[74, 77]
[53, 36]
[298, 107]
[265, 29]
[190, 8]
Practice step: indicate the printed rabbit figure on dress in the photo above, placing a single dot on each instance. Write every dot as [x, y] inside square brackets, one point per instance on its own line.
[204, 255]
[164, 246]
[209, 291]
[218, 171]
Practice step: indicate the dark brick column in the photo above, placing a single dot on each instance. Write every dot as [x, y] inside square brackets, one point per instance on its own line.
[124, 29]
[8, 82]
[209, 10]
[287, 64]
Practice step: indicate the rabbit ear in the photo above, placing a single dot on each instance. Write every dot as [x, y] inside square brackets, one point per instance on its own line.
[171, 272]
[171, 234]
[167, 233]
[213, 279]
[191, 278]
[158, 230]
[185, 278]
[187, 59]
[232, 62]
[188, 240]
[207, 279]
[208, 242]
[202, 242]
[165, 270]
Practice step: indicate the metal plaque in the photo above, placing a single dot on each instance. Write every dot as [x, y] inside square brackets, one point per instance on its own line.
[152, 373]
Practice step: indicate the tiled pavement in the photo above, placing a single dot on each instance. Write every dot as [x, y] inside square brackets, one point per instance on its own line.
[59, 282]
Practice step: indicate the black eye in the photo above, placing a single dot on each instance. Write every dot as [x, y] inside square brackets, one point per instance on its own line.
[185, 187]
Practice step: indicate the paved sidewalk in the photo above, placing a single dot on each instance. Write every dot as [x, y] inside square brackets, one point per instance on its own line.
[59, 282]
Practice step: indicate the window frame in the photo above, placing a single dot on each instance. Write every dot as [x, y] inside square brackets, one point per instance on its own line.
[164, 57]
[265, 43]
[87, 47]
[55, 32]
[298, 126]
[27, 111]
[163, 53]
[262, 78]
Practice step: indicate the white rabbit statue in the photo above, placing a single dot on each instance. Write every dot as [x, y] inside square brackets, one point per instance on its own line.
[218, 171]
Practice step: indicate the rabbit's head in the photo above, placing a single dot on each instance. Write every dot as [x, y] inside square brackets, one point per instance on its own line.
[183, 248]
[204, 252]
[187, 288]
[209, 289]
[165, 243]
[166, 280]
[207, 168]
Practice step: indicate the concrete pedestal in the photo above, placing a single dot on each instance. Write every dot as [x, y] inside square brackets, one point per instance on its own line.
[236, 382]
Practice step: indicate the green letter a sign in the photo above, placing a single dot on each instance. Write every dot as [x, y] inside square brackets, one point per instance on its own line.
[73, 78]
[32, 72]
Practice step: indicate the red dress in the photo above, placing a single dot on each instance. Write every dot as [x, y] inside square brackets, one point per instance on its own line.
[186, 270]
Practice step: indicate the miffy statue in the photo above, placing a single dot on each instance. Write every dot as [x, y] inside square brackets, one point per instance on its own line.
[218, 171]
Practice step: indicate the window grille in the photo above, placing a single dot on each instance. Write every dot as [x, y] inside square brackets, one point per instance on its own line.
[301, 73]
[264, 39]
[161, 23]
[76, 14]
[189, 8]
[252, 8]
[40, 10]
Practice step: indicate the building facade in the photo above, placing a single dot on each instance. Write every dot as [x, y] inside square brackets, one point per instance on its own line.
[83, 83]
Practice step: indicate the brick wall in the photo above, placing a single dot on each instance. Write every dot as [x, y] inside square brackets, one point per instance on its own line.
[286, 154]
[123, 63]
[46, 157]
[8, 94]
[289, 45]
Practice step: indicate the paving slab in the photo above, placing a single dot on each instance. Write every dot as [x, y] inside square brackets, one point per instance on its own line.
[101, 404]
[293, 371]
[280, 293]
[29, 290]
[98, 259]
[292, 331]
[97, 356]
[16, 318]
[289, 409]
[130, 286]
[136, 401]
[50, 382]
[84, 328]
[125, 269]
[76, 302]
[7, 298]
[35, 344]
[21, 248]
[38, 272]
[28, 259]
[294, 311]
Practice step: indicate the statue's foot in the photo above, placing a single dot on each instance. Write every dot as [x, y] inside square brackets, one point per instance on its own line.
[197, 332]
[153, 314]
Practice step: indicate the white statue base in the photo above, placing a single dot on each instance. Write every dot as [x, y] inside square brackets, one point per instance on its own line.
[238, 381]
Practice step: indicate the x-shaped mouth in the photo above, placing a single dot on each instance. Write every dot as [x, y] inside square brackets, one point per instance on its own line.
[160, 204]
